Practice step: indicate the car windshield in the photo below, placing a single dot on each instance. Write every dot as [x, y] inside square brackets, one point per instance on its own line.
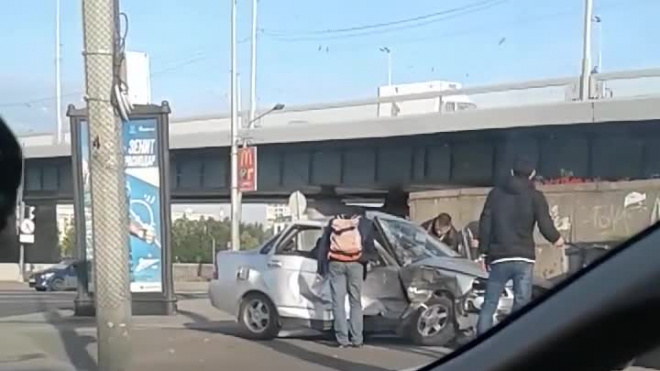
[411, 242]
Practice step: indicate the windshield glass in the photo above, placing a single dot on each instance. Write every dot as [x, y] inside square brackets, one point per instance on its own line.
[411, 242]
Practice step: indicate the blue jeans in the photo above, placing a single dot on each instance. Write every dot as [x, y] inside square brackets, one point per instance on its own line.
[347, 278]
[521, 273]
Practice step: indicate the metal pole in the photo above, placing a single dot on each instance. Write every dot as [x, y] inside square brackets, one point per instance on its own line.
[21, 216]
[109, 217]
[21, 251]
[58, 79]
[389, 68]
[241, 124]
[600, 44]
[213, 250]
[235, 206]
[585, 78]
[253, 67]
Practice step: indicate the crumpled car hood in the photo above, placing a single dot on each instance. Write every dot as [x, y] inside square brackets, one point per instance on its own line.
[459, 265]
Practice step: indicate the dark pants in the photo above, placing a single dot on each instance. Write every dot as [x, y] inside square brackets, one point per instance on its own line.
[521, 273]
[346, 278]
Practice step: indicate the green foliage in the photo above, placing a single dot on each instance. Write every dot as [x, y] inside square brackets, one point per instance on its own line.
[68, 244]
[192, 240]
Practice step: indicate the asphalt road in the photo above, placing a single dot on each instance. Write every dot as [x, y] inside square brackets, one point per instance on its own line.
[197, 338]
[16, 302]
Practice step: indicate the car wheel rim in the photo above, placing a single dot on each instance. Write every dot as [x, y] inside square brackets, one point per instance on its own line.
[432, 320]
[257, 316]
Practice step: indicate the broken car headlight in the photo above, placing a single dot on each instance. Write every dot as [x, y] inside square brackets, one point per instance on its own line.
[419, 295]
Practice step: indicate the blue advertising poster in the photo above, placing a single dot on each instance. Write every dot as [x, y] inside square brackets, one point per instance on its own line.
[140, 141]
[87, 199]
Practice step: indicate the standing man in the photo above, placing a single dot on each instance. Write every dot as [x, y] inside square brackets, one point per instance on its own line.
[343, 255]
[506, 231]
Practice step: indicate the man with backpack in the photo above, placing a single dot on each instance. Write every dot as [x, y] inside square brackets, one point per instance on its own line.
[345, 246]
[506, 231]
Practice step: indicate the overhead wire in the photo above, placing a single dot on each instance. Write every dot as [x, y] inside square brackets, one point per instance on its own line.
[450, 14]
[389, 23]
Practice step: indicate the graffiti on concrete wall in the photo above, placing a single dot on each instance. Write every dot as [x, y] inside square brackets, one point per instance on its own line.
[562, 222]
[630, 214]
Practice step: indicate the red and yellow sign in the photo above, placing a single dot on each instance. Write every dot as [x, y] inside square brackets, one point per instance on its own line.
[247, 169]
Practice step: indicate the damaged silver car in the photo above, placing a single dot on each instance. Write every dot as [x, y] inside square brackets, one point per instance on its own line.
[415, 286]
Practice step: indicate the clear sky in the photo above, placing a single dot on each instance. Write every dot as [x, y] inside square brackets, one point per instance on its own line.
[488, 41]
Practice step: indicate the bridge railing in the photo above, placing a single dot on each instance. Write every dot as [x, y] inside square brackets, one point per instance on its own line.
[610, 85]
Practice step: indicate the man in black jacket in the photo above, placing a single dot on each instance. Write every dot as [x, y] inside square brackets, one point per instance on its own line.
[506, 231]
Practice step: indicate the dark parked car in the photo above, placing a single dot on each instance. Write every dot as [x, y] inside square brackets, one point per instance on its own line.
[60, 277]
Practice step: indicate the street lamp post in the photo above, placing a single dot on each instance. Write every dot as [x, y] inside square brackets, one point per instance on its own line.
[599, 60]
[389, 63]
[585, 78]
[58, 78]
[277, 107]
[253, 66]
[236, 196]
[235, 202]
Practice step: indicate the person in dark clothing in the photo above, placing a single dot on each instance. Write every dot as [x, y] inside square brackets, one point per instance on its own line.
[506, 231]
[441, 227]
[346, 271]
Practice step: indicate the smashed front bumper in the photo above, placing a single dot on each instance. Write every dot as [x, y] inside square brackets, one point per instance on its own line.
[466, 307]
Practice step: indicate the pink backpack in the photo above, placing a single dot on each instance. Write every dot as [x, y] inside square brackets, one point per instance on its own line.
[345, 240]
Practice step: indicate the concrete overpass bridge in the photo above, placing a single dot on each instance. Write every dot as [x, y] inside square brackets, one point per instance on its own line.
[345, 145]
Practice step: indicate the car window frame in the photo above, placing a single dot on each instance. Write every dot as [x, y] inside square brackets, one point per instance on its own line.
[267, 246]
[289, 233]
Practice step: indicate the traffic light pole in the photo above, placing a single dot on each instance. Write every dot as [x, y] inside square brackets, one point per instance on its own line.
[110, 215]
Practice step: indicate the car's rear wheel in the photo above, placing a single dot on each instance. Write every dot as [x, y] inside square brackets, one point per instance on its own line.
[57, 285]
[258, 317]
[434, 323]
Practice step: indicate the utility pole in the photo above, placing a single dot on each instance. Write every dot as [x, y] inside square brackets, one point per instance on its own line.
[58, 78]
[253, 67]
[585, 77]
[235, 202]
[110, 215]
[21, 216]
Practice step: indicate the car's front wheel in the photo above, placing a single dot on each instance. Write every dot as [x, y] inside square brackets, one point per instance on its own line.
[434, 323]
[258, 317]
[57, 285]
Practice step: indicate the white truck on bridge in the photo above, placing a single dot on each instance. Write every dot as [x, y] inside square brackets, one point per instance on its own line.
[445, 103]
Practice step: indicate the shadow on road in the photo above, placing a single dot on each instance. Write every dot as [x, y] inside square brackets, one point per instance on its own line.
[75, 344]
[22, 302]
[231, 328]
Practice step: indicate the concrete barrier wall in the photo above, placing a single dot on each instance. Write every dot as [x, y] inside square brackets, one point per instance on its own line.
[590, 212]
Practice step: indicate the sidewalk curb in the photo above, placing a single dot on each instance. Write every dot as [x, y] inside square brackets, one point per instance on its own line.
[92, 325]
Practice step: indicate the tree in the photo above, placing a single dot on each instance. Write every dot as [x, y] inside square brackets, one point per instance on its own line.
[192, 240]
[68, 244]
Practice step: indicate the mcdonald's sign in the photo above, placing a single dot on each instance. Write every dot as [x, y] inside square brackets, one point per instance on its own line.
[247, 169]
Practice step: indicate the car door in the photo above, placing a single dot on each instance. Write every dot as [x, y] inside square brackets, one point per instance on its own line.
[70, 277]
[382, 292]
[298, 292]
